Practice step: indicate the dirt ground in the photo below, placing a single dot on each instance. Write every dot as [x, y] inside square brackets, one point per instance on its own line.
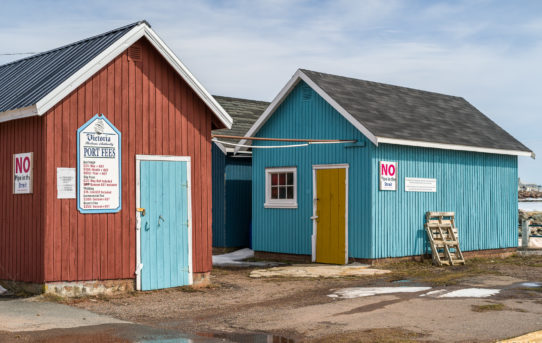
[301, 310]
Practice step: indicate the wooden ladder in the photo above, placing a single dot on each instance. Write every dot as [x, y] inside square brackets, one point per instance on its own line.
[443, 236]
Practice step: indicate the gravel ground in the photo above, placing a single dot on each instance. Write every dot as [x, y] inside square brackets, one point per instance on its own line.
[300, 309]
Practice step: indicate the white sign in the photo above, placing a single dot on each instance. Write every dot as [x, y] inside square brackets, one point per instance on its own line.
[98, 166]
[23, 167]
[388, 176]
[65, 183]
[416, 184]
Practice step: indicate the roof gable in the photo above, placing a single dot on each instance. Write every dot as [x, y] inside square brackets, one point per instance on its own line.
[404, 116]
[33, 85]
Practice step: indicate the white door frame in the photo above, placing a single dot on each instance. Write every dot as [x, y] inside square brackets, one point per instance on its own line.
[140, 158]
[314, 217]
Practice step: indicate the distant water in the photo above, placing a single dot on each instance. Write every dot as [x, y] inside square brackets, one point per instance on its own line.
[530, 205]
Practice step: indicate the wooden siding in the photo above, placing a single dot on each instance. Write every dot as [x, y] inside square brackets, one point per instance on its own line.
[480, 188]
[304, 114]
[219, 194]
[157, 114]
[232, 181]
[21, 215]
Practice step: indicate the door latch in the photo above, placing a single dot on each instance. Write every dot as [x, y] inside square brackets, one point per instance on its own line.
[141, 210]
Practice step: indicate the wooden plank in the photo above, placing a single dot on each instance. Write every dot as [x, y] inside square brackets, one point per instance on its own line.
[125, 260]
[118, 124]
[132, 127]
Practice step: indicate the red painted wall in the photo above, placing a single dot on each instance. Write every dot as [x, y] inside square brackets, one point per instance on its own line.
[21, 215]
[157, 114]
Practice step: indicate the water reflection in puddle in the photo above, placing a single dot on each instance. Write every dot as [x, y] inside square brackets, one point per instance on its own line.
[249, 337]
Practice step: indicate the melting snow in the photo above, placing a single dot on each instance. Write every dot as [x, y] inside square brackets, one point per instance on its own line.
[2, 290]
[235, 259]
[357, 292]
[531, 284]
[433, 293]
[471, 293]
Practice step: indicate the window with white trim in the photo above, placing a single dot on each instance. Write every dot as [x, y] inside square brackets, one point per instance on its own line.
[281, 187]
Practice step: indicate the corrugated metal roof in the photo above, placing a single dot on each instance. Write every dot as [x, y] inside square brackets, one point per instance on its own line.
[411, 114]
[244, 113]
[26, 81]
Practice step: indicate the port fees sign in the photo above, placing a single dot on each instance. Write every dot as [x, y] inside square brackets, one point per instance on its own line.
[388, 176]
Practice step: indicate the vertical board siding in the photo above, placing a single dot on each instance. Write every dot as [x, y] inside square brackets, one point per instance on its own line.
[232, 196]
[238, 201]
[480, 188]
[219, 187]
[157, 114]
[21, 215]
[304, 114]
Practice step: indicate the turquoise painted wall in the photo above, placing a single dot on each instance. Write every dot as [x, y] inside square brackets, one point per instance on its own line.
[304, 114]
[232, 210]
[480, 188]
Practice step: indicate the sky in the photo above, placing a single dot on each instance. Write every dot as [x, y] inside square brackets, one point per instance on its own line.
[488, 52]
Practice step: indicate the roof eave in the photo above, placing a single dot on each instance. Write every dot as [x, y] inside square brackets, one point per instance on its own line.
[108, 55]
[285, 91]
[19, 113]
[458, 147]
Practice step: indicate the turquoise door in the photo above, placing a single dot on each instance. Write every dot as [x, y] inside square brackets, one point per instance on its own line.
[165, 242]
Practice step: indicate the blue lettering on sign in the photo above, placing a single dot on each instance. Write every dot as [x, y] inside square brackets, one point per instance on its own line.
[99, 152]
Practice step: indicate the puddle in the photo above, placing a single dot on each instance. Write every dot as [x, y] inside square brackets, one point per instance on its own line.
[401, 281]
[357, 292]
[471, 293]
[531, 284]
[248, 337]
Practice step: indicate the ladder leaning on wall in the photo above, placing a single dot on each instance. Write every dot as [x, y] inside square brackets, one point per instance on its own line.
[444, 239]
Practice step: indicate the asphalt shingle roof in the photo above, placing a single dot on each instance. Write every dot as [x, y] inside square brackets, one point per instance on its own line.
[26, 81]
[411, 114]
[244, 113]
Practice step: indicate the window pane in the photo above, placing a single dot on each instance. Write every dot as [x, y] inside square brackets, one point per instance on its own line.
[274, 179]
[290, 192]
[282, 193]
[290, 178]
[282, 180]
[274, 193]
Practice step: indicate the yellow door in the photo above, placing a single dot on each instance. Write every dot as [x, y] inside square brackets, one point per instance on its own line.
[331, 216]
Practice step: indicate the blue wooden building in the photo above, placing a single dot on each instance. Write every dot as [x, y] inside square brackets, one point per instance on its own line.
[232, 176]
[404, 152]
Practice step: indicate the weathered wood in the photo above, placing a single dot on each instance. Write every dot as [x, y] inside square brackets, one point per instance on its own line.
[443, 238]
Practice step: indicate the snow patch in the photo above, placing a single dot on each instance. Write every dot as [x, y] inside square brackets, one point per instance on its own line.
[471, 293]
[235, 259]
[2, 290]
[434, 293]
[531, 284]
[357, 292]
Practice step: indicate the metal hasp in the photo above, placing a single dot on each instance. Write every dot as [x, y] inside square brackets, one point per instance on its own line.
[443, 237]
[141, 210]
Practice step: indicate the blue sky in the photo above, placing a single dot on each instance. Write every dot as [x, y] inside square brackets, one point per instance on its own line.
[489, 52]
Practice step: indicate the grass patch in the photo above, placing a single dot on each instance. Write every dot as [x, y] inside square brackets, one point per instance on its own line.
[53, 298]
[488, 307]
[426, 272]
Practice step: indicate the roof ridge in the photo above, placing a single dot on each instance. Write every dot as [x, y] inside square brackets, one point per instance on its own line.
[76, 42]
[381, 83]
[235, 98]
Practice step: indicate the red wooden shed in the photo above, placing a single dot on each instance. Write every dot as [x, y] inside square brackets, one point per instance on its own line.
[72, 214]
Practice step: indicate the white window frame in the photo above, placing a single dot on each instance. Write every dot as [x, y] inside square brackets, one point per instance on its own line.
[279, 203]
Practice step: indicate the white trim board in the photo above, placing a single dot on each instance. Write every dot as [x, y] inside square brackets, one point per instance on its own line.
[299, 75]
[104, 58]
[313, 218]
[187, 159]
[453, 147]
